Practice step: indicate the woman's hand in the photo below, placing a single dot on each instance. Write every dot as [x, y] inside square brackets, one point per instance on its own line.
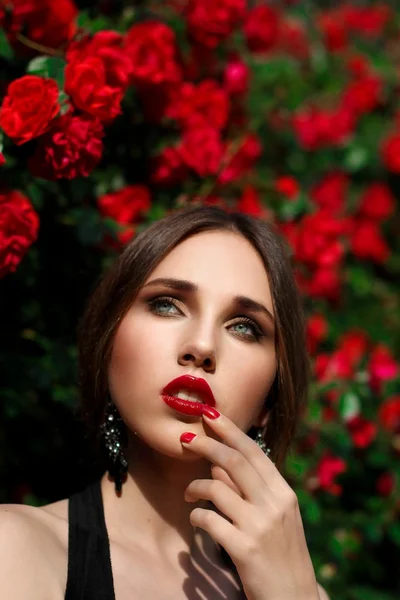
[263, 532]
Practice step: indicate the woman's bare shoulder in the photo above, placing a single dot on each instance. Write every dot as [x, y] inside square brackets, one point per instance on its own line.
[33, 551]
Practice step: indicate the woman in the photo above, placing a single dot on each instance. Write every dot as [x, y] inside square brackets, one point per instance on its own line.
[193, 372]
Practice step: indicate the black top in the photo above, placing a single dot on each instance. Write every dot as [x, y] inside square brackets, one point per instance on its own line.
[89, 564]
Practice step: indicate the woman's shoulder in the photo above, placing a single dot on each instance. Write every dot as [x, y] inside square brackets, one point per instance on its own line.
[33, 550]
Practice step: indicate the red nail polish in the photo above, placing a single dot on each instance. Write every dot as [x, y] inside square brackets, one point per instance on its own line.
[210, 412]
[187, 437]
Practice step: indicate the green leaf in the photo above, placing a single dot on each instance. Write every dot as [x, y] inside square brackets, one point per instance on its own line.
[289, 210]
[349, 405]
[63, 100]
[297, 466]
[374, 532]
[394, 533]
[35, 195]
[48, 66]
[360, 281]
[367, 593]
[5, 49]
[313, 512]
[356, 157]
[100, 23]
[89, 228]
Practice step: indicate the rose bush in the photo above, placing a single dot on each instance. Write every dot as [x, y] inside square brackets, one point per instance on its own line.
[114, 117]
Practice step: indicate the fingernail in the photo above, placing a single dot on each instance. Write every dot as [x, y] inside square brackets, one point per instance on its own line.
[187, 437]
[210, 412]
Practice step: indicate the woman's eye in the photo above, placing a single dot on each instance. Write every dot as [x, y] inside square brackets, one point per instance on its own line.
[249, 324]
[160, 305]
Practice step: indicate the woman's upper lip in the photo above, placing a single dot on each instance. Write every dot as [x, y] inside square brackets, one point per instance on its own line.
[190, 383]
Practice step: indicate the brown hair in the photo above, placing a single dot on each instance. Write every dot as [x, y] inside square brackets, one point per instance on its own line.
[119, 286]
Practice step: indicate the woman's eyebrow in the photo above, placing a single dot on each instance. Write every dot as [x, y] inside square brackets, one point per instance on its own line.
[240, 302]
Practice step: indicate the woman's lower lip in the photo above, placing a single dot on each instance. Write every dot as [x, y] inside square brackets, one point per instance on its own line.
[186, 407]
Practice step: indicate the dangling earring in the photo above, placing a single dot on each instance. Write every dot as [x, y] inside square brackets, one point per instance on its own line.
[113, 432]
[261, 443]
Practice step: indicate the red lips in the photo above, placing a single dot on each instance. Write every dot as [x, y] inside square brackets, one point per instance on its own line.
[191, 384]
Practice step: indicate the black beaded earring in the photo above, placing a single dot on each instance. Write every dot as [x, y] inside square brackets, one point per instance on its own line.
[113, 430]
[259, 439]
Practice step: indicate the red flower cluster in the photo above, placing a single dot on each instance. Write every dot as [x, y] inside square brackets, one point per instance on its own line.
[126, 207]
[389, 414]
[318, 244]
[97, 74]
[328, 469]
[338, 24]
[19, 226]
[42, 21]
[153, 51]
[317, 128]
[211, 21]
[72, 148]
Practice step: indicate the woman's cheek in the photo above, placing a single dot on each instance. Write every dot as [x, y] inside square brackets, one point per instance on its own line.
[251, 387]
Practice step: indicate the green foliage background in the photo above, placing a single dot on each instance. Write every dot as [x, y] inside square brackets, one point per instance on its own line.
[354, 538]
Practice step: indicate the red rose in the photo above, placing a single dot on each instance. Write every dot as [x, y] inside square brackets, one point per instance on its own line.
[325, 282]
[250, 203]
[367, 242]
[262, 28]
[206, 100]
[2, 159]
[362, 431]
[19, 225]
[381, 367]
[341, 124]
[72, 148]
[391, 153]
[329, 414]
[243, 159]
[330, 367]
[317, 330]
[318, 242]
[85, 83]
[287, 186]
[377, 202]
[126, 206]
[331, 192]
[358, 65]
[167, 168]
[315, 128]
[364, 95]
[201, 149]
[389, 414]
[236, 77]
[354, 344]
[334, 32]
[369, 21]
[293, 39]
[211, 21]
[43, 21]
[152, 48]
[108, 47]
[328, 469]
[31, 103]
[385, 484]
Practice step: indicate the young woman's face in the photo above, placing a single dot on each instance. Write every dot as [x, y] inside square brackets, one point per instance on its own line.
[200, 333]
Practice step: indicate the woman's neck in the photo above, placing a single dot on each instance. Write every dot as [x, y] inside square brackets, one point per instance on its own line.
[151, 513]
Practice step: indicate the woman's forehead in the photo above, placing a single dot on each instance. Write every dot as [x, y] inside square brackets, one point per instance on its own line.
[218, 261]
